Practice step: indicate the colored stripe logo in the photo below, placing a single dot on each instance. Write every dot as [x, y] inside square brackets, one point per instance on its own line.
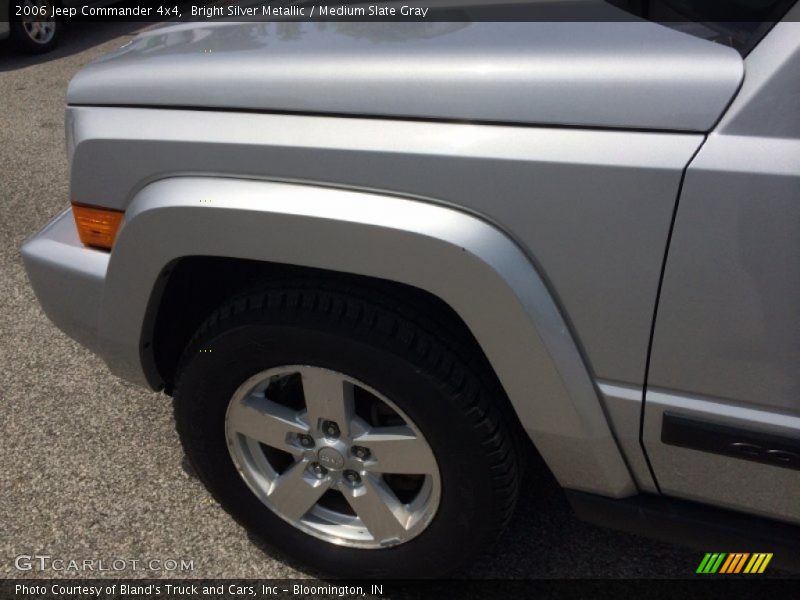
[734, 563]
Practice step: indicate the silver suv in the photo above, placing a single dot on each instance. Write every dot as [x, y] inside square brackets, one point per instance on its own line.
[374, 263]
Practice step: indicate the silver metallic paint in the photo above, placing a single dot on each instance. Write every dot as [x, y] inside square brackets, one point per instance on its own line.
[463, 260]
[558, 216]
[68, 278]
[604, 74]
[721, 480]
[727, 338]
[592, 208]
[728, 323]
[623, 404]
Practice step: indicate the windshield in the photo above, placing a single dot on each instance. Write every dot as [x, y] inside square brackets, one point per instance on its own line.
[737, 23]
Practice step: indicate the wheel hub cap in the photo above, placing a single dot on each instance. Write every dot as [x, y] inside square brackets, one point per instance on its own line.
[330, 459]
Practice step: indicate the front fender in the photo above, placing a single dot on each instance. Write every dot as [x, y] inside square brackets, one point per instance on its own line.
[469, 264]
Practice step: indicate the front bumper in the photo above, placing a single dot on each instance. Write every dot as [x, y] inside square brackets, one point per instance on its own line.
[68, 279]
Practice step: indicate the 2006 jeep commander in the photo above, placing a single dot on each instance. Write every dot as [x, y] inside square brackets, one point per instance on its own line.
[369, 260]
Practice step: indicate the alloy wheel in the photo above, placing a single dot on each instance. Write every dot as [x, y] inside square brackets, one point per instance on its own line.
[332, 456]
[38, 30]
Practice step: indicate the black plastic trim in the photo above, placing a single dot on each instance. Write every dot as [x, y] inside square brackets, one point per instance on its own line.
[736, 442]
[704, 527]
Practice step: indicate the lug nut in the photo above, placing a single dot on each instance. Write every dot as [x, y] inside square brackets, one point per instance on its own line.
[318, 470]
[352, 476]
[360, 452]
[306, 441]
[330, 429]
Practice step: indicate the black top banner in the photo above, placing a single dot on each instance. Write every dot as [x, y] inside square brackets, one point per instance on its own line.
[665, 11]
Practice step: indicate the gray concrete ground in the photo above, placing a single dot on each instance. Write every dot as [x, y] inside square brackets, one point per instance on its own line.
[91, 466]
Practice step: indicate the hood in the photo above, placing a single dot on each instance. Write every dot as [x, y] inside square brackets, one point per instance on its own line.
[618, 75]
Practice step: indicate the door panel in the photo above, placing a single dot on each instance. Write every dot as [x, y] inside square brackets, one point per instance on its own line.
[729, 317]
[726, 345]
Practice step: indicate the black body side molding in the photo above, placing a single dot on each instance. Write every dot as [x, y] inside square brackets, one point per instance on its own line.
[736, 442]
[706, 528]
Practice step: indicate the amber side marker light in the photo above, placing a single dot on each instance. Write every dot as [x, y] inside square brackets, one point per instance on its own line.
[97, 227]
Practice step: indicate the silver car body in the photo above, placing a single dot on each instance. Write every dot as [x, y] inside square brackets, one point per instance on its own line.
[531, 183]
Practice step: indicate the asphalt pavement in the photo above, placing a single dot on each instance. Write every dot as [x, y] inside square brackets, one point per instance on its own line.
[91, 466]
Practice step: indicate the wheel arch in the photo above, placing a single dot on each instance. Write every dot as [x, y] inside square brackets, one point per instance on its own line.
[192, 287]
[466, 263]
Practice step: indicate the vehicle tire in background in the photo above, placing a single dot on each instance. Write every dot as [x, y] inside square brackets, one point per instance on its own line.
[345, 433]
[34, 33]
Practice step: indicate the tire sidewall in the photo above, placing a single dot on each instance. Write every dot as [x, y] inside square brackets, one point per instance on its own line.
[210, 379]
[24, 42]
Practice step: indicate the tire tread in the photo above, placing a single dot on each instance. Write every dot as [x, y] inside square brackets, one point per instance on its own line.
[400, 325]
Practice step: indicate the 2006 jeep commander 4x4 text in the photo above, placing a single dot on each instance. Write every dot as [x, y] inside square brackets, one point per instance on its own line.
[370, 260]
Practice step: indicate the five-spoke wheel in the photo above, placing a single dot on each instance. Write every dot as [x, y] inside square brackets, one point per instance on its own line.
[332, 456]
[344, 434]
[36, 30]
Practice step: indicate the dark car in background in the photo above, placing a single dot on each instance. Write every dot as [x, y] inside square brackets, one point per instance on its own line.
[30, 23]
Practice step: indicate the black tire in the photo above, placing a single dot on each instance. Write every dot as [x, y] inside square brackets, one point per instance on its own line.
[378, 341]
[23, 39]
